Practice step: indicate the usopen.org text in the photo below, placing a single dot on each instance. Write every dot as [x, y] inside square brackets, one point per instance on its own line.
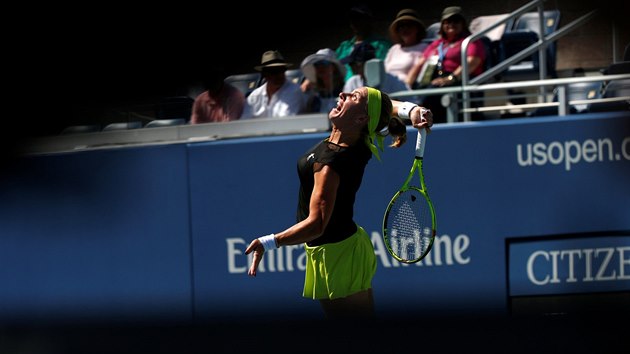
[571, 152]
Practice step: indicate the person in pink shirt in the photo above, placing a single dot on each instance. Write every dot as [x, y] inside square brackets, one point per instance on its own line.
[220, 102]
[443, 59]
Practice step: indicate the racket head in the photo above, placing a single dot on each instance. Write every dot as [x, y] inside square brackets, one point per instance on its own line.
[409, 225]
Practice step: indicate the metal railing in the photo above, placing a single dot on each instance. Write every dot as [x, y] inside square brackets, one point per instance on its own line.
[560, 84]
[309, 123]
[540, 46]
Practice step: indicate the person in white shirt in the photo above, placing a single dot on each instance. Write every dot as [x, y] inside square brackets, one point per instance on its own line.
[277, 97]
[406, 32]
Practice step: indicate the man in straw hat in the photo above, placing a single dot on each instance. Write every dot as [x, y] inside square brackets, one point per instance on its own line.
[277, 96]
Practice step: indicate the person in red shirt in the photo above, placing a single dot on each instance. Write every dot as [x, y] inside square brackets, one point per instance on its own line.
[220, 102]
[443, 59]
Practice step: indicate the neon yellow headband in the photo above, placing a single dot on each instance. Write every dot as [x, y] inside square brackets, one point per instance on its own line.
[374, 112]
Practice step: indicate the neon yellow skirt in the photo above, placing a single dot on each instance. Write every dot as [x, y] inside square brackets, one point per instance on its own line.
[340, 269]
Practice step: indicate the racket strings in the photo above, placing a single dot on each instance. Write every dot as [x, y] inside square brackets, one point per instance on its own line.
[410, 225]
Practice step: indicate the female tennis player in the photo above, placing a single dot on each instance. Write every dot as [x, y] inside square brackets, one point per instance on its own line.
[340, 261]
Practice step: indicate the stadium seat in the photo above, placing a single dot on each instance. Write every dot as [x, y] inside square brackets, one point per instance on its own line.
[576, 91]
[523, 33]
[583, 91]
[530, 21]
[175, 107]
[512, 43]
[374, 71]
[617, 88]
[123, 126]
[80, 129]
[480, 23]
[432, 32]
[295, 75]
[158, 123]
[612, 89]
[491, 40]
[491, 52]
[246, 83]
[622, 67]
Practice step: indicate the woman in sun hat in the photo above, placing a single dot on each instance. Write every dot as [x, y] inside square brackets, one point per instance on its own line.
[406, 32]
[324, 80]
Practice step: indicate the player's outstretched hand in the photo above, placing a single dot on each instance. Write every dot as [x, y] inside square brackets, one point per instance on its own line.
[258, 249]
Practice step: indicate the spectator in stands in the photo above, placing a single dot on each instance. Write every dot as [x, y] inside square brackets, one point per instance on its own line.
[277, 97]
[363, 52]
[220, 102]
[362, 25]
[406, 32]
[443, 59]
[324, 80]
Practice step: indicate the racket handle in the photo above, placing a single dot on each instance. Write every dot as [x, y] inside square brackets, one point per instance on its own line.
[420, 142]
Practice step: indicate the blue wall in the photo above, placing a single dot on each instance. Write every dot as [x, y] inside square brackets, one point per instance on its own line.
[160, 231]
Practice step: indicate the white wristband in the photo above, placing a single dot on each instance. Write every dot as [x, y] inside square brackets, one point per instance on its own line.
[404, 110]
[268, 242]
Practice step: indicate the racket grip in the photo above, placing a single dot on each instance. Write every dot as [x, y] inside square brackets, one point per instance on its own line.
[420, 142]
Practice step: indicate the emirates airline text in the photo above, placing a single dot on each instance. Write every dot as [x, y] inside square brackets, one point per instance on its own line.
[446, 251]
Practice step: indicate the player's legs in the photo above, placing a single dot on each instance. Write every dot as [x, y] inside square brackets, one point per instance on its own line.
[357, 305]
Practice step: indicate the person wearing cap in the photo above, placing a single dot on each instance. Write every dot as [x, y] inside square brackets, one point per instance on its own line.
[277, 96]
[340, 257]
[363, 52]
[324, 80]
[445, 52]
[406, 32]
[362, 25]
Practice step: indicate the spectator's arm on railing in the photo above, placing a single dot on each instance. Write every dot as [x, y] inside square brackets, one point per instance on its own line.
[412, 76]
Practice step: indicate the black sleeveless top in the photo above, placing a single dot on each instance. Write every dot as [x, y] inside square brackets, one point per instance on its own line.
[349, 163]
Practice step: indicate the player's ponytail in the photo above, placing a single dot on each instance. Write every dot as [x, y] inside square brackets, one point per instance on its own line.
[398, 130]
[395, 126]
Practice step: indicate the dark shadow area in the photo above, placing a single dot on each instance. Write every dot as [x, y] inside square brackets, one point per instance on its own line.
[548, 334]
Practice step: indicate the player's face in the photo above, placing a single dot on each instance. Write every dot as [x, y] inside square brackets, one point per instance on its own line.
[351, 109]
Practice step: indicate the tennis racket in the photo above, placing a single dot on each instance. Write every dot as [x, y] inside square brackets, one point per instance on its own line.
[409, 226]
